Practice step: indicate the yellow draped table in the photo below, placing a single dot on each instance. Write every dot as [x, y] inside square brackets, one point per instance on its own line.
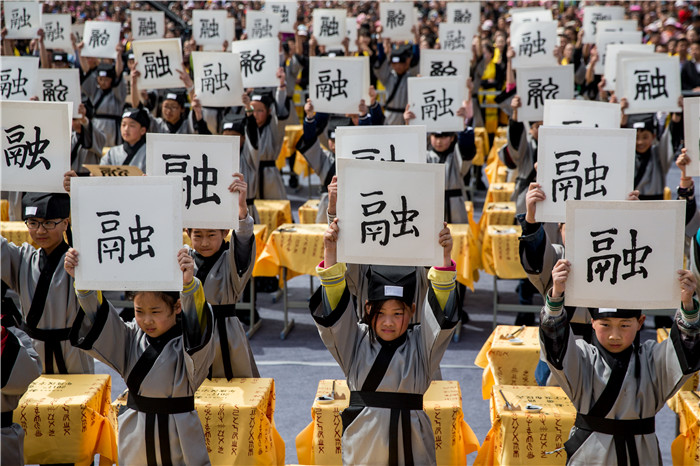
[67, 419]
[495, 169]
[16, 232]
[691, 384]
[523, 438]
[685, 449]
[292, 134]
[508, 363]
[499, 192]
[497, 213]
[499, 251]
[308, 211]
[4, 210]
[320, 441]
[480, 134]
[273, 213]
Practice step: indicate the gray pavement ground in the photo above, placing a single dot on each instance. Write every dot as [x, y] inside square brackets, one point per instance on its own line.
[300, 361]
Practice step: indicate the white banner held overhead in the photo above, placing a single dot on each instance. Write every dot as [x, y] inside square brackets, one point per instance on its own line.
[390, 213]
[217, 78]
[18, 78]
[624, 254]
[603, 39]
[464, 13]
[22, 19]
[229, 37]
[592, 14]
[261, 25]
[650, 84]
[329, 26]
[101, 39]
[585, 113]
[436, 62]
[336, 85]
[582, 163]
[209, 27]
[456, 37]
[691, 134]
[381, 143]
[534, 43]
[397, 19]
[536, 84]
[127, 230]
[286, 13]
[60, 85]
[147, 25]
[351, 32]
[57, 30]
[613, 52]
[158, 62]
[206, 165]
[36, 145]
[435, 102]
[529, 15]
[259, 61]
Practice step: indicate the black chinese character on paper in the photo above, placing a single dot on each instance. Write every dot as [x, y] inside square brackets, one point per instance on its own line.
[434, 107]
[54, 91]
[25, 153]
[53, 32]
[282, 11]
[538, 92]
[329, 88]
[147, 27]
[10, 86]
[209, 28]
[568, 183]
[531, 46]
[402, 217]
[600, 265]
[113, 246]
[139, 237]
[214, 80]
[261, 28]
[156, 66]
[455, 40]
[376, 228]
[329, 27]
[110, 245]
[599, 17]
[395, 19]
[98, 38]
[462, 16]
[375, 152]
[440, 68]
[251, 62]
[19, 18]
[650, 86]
[201, 177]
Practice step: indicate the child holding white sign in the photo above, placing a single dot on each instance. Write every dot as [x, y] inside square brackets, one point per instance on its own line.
[617, 384]
[164, 356]
[388, 365]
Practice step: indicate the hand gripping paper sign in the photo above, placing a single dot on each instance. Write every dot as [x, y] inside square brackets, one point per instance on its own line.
[127, 230]
[158, 62]
[36, 145]
[329, 26]
[583, 163]
[390, 213]
[217, 78]
[57, 30]
[258, 60]
[205, 164]
[536, 84]
[624, 254]
[336, 85]
[381, 143]
[435, 102]
[147, 25]
[101, 39]
[585, 113]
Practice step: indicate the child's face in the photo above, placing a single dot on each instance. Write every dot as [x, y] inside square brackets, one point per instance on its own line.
[441, 141]
[104, 82]
[616, 334]
[535, 130]
[260, 112]
[153, 315]
[131, 130]
[392, 319]
[172, 111]
[645, 139]
[206, 242]
[44, 237]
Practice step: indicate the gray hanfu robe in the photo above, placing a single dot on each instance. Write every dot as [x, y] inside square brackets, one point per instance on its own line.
[178, 363]
[520, 154]
[396, 91]
[225, 275]
[109, 107]
[249, 170]
[653, 373]
[20, 366]
[367, 436]
[186, 125]
[86, 147]
[321, 160]
[117, 155]
[48, 326]
[650, 171]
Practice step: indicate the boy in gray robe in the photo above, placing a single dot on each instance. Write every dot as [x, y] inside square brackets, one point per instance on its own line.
[107, 91]
[235, 125]
[393, 71]
[133, 129]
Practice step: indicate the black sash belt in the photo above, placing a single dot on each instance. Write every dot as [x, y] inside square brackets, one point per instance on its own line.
[261, 175]
[52, 339]
[622, 430]
[221, 312]
[250, 202]
[394, 109]
[6, 419]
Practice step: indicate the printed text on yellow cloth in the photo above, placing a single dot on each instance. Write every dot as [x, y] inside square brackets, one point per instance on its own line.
[685, 449]
[691, 384]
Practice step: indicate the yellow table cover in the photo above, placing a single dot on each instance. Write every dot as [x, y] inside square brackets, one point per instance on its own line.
[691, 384]
[299, 250]
[685, 449]
[17, 233]
[499, 252]
[308, 211]
[320, 441]
[499, 192]
[292, 133]
[273, 213]
[523, 438]
[480, 134]
[67, 419]
[4, 210]
[507, 363]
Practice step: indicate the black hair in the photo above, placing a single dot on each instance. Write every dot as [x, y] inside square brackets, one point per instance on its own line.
[371, 316]
[169, 297]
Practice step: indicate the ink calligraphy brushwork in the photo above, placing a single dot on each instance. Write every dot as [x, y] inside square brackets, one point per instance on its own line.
[583, 163]
[158, 62]
[261, 25]
[127, 230]
[534, 43]
[436, 62]
[614, 53]
[381, 143]
[329, 26]
[57, 31]
[456, 36]
[650, 83]
[101, 39]
[390, 213]
[229, 28]
[530, 15]
[35, 145]
[205, 164]
[147, 25]
[397, 19]
[18, 77]
[336, 85]
[286, 12]
[208, 26]
[603, 39]
[536, 84]
[22, 19]
[691, 134]
[464, 13]
[592, 14]
[59, 85]
[586, 113]
[217, 78]
[624, 254]
[259, 61]
[435, 101]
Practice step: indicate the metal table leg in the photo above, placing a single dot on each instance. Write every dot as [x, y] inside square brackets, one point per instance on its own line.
[288, 324]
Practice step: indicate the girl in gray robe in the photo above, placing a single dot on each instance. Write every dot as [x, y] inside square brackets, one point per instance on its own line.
[161, 370]
[388, 365]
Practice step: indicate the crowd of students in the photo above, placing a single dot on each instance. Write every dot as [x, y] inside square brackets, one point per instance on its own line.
[363, 312]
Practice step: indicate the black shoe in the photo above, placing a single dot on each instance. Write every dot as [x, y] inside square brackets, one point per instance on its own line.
[244, 317]
[464, 316]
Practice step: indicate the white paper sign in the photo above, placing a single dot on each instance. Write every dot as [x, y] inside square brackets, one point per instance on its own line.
[436, 62]
[534, 43]
[351, 33]
[217, 78]
[259, 61]
[18, 77]
[603, 39]
[529, 15]
[537, 84]
[624, 254]
[456, 36]
[208, 27]
[206, 165]
[464, 13]
[36, 145]
[381, 143]
[22, 19]
[435, 102]
[397, 19]
[619, 25]
[78, 31]
[59, 85]
[158, 62]
[328, 26]
[615, 51]
[691, 134]
[128, 230]
[336, 85]
[229, 37]
[286, 12]
[390, 213]
[57, 29]
[650, 84]
[101, 39]
[261, 25]
[582, 163]
[583, 113]
[147, 24]
[593, 14]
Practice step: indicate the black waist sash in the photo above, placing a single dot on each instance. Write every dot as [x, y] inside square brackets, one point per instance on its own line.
[262, 165]
[449, 194]
[6, 419]
[52, 339]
